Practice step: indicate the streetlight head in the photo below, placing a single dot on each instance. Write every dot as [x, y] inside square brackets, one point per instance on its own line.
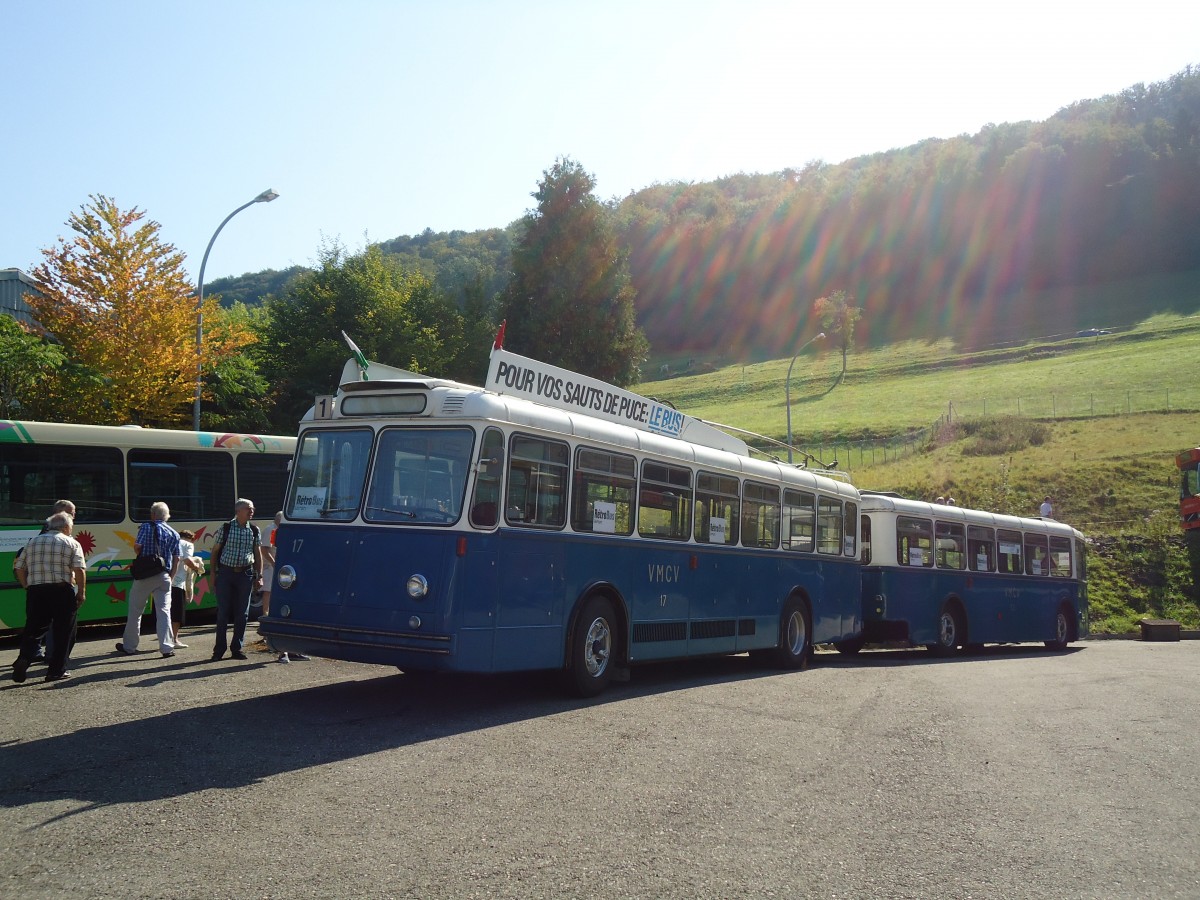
[266, 196]
[820, 337]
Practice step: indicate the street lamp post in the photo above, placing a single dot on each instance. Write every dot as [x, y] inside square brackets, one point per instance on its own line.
[787, 389]
[265, 197]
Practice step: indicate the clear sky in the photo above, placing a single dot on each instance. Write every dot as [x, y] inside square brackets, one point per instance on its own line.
[374, 119]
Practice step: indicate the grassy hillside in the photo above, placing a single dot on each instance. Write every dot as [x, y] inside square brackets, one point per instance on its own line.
[1100, 421]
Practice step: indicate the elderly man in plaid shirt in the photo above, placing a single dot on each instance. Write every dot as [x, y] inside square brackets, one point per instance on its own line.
[51, 569]
[154, 538]
[239, 571]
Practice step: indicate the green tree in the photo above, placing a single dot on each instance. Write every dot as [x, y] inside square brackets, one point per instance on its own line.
[394, 316]
[27, 362]
[569, 301]
[120, 303]
[838, 317]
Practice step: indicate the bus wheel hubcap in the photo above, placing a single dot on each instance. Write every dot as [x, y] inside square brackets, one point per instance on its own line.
[597, 647]
[796, 633]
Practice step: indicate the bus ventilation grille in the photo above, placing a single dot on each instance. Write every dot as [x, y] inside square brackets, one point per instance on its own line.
[653, 632]
[723, 628]
[453, 405]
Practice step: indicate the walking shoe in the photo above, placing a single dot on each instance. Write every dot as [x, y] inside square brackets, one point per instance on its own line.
[59, 677]
[299, 656]
[121, 649]
[283, 657]
[217, 657]
[40, 658]
[238, 654]
[168, 654]
[19, 669]
[180, 645]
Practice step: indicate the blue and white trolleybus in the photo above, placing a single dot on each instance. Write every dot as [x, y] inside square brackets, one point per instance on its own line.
[946, 577]
[550, 521]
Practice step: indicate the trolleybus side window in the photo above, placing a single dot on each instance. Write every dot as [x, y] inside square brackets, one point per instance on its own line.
[1060, 557]
[849, 539]
[1037, 556]
[331, 468]
[195, 484]
[799, 520]
[717, 508]
[760, 515]
[914, 541]
[981, 548]
[486, 503]
[537, 482]
[262, 477]
[420, 475]
[1009, 556]
[951, 545]
[665, 502]
[34, 476]
[866, 540]
[1081, 560]
[829, 525]
[603, 491]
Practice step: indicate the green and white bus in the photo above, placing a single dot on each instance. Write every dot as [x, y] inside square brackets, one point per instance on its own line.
[112, 475]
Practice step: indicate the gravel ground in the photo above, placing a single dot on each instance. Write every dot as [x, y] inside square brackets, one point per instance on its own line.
[1014, 773]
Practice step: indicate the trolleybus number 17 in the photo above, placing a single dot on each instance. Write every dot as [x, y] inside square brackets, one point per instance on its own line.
[297, 544]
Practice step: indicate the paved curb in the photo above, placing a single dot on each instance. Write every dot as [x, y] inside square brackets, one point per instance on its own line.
[1184, 635]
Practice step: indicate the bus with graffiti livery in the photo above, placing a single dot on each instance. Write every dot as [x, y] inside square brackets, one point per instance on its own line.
[112, 474]
[549, 521]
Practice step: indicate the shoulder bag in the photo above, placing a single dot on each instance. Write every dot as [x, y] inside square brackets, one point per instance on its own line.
[149, 565]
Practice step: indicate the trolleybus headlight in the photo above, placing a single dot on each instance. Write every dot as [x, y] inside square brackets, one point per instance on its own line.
[286, 577]
[418, 587]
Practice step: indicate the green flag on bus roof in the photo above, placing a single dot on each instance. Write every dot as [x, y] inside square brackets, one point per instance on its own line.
[363, 362]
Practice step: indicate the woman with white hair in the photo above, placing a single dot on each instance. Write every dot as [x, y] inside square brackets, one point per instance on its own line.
[154, 539]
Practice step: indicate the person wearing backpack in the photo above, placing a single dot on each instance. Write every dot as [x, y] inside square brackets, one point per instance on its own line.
[239, 561]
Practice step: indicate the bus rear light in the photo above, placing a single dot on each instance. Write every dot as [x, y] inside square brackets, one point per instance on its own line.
[418, 586]
[286, 577]
[414, 622]
[694, 562]
[462, 546]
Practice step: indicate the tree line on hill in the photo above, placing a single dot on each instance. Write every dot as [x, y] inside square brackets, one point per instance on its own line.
[946, 235]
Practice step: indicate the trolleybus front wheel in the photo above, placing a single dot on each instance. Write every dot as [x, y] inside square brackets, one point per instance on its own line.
[1062, 630]
[593, 642]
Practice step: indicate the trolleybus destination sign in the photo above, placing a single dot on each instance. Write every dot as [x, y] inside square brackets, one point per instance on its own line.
[520, 376]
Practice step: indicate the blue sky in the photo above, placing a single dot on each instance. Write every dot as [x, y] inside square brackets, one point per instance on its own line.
[375, 119]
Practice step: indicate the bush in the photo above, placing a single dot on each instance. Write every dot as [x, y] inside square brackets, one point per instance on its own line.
[1001, 435]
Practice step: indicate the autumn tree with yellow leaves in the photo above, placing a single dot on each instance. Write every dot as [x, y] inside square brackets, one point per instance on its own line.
[117, 298]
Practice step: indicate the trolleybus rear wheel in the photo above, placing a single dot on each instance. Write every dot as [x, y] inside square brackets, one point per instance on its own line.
[795, 637]
[593, 642]
[950, 631]
[1062, 630]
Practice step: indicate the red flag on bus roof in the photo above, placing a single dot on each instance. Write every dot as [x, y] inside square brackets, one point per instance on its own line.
[498, 343]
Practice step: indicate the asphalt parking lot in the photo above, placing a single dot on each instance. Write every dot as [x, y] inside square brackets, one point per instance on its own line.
[1013, 773]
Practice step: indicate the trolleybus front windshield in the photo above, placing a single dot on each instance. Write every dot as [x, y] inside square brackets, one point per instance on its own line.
[331, 468]
[419, 476]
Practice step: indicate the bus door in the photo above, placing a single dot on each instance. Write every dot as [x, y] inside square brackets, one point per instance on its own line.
[529, 612]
